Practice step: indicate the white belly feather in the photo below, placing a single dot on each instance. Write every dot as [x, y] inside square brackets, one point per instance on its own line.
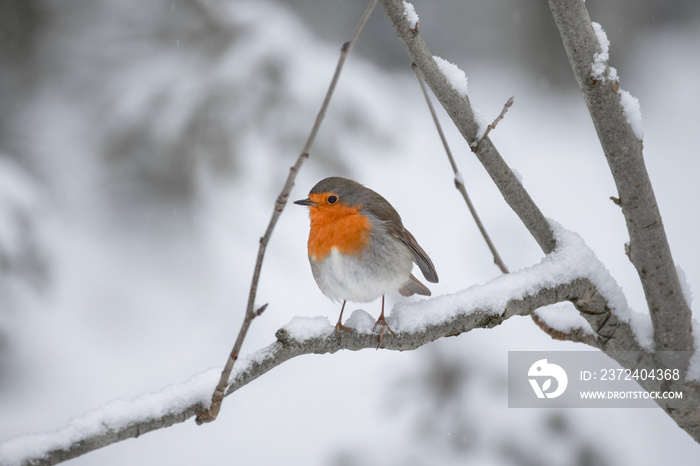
[342, 277]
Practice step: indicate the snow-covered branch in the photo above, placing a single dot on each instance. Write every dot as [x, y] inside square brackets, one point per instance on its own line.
[617, 120]
[444, 83]
[571, 272]
[568, 272]
[616, 117]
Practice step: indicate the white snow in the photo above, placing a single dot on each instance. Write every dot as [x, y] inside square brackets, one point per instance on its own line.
[481, 125]
[118, 414]
[113, 415]
[630, 104]
[602, 39]
[459, 178]
[600, 60]
[118, 321]
[454, 75]
[306, 328]
[633, 113]
[411, 15]
[564, 317]
[571, 259]
[361, 321]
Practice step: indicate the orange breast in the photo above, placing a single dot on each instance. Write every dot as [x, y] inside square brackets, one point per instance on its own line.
[337, 226]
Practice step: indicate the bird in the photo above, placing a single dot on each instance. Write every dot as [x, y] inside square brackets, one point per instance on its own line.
[359, 249]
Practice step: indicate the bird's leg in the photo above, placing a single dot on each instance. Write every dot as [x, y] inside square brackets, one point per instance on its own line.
[340, 325]
[383, 326]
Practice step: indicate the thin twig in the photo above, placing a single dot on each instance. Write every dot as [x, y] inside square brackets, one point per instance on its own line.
[210, 414]
[459, 181]
[459, 109]
[576, 334]
[495, 122]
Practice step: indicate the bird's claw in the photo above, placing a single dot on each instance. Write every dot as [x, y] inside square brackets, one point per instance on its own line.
[383, 327]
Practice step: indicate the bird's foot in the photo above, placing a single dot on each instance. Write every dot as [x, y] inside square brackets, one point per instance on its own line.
[339, 327]
[383, 327]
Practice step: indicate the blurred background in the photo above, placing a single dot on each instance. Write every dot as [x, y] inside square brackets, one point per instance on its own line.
[143, 144]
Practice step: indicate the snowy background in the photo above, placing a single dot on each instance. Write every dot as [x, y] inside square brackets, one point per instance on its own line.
[142, 146]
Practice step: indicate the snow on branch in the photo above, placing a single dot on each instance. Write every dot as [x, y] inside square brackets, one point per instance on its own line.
[454, 74]
[113, 422]
[617, 120]
[602, 71]
[570, 272]
[411, 16]
[595, 308]
[633, 112]
[615, 123]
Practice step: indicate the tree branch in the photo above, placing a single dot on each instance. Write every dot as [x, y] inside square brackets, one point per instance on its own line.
[492, 126]
[176, 404]
[649, 249]
[568, 274]
[595, 308]
[448, 316]
[650, 252]
[460, 111]
[459, 180]
[577, 335]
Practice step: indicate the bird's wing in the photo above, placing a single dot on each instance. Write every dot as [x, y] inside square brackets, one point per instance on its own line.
[419, 255]
[384, 211]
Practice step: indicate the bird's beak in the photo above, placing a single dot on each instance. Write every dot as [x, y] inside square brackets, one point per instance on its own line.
[306, 202]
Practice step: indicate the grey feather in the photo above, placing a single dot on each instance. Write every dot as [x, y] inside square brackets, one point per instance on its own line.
[413, 286]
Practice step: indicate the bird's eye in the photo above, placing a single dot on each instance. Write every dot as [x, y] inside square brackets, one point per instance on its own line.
[332, 199]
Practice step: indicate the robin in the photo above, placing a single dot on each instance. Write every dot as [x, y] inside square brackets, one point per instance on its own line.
[359, 249]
